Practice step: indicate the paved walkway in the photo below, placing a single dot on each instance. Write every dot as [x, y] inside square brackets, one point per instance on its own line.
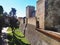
[3, 39]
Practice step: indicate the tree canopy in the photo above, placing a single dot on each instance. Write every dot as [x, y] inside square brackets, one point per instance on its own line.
[13, 12]
[1, 10]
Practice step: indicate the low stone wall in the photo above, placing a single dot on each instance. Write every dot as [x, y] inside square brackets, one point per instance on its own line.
[32, 21]
[22, 27]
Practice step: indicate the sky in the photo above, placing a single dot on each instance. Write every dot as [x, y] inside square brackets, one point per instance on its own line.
[19, 5]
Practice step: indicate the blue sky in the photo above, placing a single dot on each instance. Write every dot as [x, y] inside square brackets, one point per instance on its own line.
[19, 5]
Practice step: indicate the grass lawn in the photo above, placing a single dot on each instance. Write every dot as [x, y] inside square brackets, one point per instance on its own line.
[17, 39]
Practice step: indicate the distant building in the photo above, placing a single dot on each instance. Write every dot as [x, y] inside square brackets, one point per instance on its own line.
[30, 11]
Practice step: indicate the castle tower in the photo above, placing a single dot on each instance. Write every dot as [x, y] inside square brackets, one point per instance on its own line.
[30, 11]
[40, 12]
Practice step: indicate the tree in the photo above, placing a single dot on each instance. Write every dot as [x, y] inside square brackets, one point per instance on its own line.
[13, 22]
[13, 19]
[13, 12]
[5, 14]
[1, 10]
[1, 19]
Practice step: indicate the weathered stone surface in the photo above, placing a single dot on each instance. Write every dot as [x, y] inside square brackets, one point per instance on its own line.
[52, 18]
[40, 13]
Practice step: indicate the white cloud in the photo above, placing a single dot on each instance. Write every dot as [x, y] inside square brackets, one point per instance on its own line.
[20, 14]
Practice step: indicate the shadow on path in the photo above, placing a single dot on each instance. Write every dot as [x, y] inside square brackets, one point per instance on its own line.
[13, 40]
[19, 36]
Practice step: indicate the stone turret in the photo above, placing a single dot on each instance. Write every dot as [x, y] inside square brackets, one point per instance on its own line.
[30, 11]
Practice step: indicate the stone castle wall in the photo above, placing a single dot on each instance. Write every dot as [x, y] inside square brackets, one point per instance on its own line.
[32, 21]
[35, 37]
[39, 38]
[40, 12]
